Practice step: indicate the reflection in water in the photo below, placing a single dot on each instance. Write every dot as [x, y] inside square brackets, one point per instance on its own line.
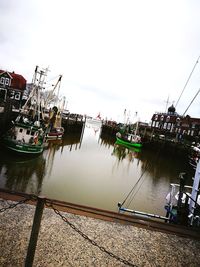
[94, 126]
[159, 165]
[156, 170]
[56, 146]
[122, 152]
[22, 174]
[89, 169]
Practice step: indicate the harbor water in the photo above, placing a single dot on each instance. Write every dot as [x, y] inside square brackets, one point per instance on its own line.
[91, 170]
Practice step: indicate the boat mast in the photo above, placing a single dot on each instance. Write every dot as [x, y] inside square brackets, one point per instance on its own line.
[33, 88]
[50, 95]
[40, 85]
[137, 124]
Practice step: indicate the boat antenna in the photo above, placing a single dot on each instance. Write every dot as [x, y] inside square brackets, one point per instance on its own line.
[187, 81]
[191, 102]
[167, 103]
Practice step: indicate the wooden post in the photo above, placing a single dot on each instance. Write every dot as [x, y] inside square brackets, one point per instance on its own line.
[34, 232]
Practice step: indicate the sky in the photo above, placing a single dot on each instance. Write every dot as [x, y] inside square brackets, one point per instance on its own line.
[114, 55]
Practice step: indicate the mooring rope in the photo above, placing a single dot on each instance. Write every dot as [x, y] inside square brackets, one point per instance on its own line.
[132, 190]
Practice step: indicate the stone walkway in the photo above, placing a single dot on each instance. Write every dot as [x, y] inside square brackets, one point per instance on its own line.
[60, 245]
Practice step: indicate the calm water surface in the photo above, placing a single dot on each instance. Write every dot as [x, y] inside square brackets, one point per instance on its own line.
[91, 170]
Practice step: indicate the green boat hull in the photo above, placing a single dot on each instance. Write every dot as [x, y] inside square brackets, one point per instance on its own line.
[22, 148]
[127, 143]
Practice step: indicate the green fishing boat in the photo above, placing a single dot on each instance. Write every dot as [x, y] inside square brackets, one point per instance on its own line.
[128, 143]
[26, 136]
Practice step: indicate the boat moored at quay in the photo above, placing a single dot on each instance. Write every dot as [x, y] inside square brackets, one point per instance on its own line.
[27, 121]
[26, 136]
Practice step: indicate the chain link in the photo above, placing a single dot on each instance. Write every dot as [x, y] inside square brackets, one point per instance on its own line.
[88, 239]
[16, 204]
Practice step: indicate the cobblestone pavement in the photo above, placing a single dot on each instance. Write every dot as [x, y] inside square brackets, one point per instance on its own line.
[60, 245]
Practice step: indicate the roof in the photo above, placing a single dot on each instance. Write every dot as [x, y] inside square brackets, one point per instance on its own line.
[17, 80]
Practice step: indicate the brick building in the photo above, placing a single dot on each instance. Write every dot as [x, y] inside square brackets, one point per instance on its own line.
[173, 123]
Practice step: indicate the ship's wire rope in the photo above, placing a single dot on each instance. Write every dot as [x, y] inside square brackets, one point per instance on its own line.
[132, 190]
[191, 102]
[134, 194]
[187, 81]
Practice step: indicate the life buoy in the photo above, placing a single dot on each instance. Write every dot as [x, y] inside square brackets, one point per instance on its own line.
[35, 138]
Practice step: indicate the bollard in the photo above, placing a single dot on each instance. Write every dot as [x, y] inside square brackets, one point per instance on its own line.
[34, 232]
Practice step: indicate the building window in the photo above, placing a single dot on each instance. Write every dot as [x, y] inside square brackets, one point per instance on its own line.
[17, 96]
[7, 81]
[2, 80]
[2, 94]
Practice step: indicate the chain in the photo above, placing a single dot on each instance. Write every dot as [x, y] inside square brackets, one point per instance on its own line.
[16, 204]
[87, 238]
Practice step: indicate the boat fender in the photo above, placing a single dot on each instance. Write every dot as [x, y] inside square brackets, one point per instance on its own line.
[118, 134]
[119, 204]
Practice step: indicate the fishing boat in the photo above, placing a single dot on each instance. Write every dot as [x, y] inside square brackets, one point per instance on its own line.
[129, 140]
[94, 121]
[128, 137]
[55, 133]
[26, 136]
[54, 129]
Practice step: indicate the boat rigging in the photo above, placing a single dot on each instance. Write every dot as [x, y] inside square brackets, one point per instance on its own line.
[187, 82]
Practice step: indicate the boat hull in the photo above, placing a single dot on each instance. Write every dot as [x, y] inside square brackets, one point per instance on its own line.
[21, 148]
[127, 143]
[55, 134]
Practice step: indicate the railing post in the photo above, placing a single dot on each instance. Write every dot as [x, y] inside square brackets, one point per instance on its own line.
[34, 232]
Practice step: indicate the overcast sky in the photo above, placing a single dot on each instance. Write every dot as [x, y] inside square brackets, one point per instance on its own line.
[113, 55]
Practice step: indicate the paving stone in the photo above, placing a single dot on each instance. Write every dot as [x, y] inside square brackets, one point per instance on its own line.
[60, 245]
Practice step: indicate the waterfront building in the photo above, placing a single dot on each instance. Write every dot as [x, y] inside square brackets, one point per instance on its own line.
[171, 123]
[12, 86]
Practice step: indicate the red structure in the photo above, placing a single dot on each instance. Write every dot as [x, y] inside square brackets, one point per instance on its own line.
[12, 87]
[12, 80]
